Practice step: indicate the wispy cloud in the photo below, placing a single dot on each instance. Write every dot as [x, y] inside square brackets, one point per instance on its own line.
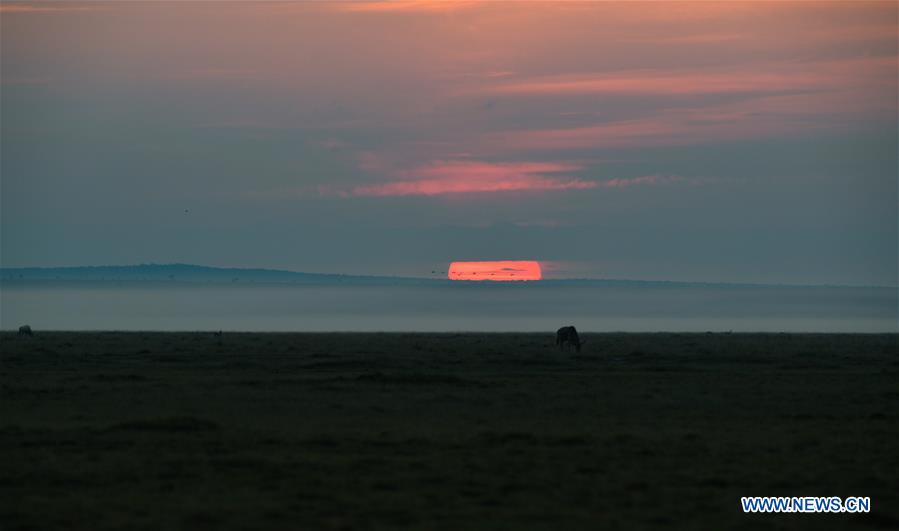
[771, 116]
[470, 177]
[645, 180]
[758, 79]
[674, 83]
[13, 81]
[460, 177]
[44, 8]
[218, 74]
[395, 6]
[669, 128]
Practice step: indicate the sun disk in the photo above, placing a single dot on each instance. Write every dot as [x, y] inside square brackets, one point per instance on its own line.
[502, 270]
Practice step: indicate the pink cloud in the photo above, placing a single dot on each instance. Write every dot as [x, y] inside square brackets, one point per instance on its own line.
[459, 177]
[465, 177]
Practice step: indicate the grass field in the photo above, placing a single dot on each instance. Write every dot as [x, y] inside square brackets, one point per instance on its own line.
[443, 431]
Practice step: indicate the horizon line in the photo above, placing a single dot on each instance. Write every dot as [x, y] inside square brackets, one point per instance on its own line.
[447, 280]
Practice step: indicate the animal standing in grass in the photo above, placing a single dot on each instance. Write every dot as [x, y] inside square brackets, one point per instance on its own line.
[25, 330]
[566, 336]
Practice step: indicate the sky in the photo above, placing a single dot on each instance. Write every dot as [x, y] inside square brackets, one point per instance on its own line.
[731, 141]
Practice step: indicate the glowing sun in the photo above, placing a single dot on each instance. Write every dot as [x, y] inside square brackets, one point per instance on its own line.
[502, 270]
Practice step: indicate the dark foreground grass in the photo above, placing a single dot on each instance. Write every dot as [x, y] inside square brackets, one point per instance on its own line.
[443, 431]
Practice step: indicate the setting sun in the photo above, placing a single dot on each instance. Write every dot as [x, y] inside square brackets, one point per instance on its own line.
[503, 270]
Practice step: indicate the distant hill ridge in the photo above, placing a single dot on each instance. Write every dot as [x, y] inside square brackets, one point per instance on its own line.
[186, 273]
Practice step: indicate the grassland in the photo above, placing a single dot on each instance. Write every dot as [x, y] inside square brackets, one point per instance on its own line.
[443, 431]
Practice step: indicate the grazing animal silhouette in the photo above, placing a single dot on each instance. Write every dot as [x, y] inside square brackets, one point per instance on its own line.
[567, 335]
[25, 330]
